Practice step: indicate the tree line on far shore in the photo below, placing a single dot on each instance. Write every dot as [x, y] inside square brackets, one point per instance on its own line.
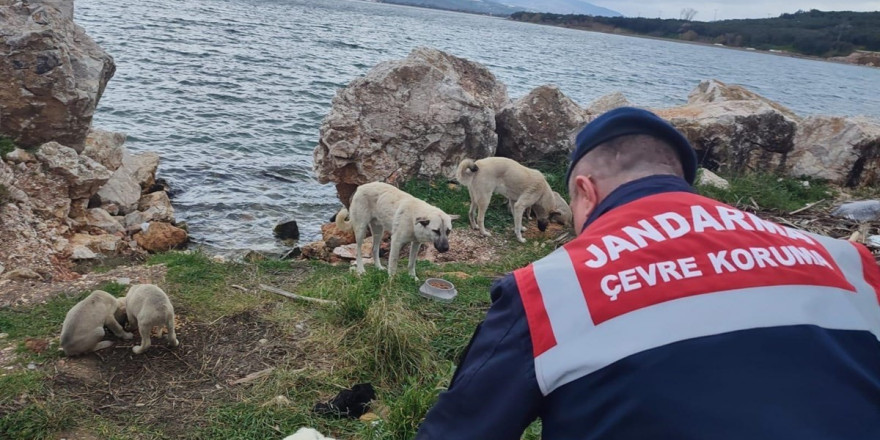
[814, 32]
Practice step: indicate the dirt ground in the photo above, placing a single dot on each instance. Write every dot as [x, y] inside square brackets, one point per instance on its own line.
[172, 387]
[32, 292]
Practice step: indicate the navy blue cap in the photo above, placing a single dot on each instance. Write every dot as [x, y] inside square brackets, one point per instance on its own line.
[625, 121]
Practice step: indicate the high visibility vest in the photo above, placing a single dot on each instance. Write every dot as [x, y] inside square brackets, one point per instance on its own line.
[677, 266]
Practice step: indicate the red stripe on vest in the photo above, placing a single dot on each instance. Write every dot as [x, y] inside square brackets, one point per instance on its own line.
[536, 314]
[693, 263]
[870, 270]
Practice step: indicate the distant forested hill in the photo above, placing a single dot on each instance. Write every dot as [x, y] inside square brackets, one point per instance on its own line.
[474, 6]
[560, 7]
[813, 32]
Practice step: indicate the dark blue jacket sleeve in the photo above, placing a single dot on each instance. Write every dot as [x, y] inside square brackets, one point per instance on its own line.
[493, 393]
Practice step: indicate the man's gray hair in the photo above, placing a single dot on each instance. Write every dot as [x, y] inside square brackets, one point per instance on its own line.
[630, 157]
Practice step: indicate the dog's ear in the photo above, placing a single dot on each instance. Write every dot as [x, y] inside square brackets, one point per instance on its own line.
[424, 221]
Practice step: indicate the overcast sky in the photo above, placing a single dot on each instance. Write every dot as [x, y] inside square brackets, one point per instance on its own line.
[724, 9]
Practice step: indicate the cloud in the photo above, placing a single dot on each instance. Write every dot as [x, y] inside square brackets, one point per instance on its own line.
[726, 9]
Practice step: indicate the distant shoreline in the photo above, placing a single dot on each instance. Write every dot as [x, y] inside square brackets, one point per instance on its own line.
[700, 43]
[649, 37]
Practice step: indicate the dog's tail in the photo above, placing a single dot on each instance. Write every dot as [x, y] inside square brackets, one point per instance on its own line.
[341, 223]
[466, 171]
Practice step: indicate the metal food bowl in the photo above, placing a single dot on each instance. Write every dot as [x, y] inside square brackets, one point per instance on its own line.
[438, 289]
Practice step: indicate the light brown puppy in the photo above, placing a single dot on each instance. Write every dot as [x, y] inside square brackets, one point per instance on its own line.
[83, 327]
[147, 306]
[524, 187]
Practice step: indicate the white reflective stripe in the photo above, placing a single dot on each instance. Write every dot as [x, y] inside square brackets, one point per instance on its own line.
[563, 297]
[849, 261]
[693, 317]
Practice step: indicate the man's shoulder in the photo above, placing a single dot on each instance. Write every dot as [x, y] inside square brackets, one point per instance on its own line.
[504, 286]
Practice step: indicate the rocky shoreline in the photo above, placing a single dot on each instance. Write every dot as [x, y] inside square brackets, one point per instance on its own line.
[68, 192]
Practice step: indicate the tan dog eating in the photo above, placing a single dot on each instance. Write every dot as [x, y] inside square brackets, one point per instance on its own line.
[522, 186]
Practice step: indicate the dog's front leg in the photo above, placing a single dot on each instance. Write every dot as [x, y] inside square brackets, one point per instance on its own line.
[413, 254]
[394, 255]
[116, 328]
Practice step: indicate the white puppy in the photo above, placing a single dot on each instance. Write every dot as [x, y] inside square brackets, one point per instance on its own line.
[306, 434]
[83, 327]
[382, 207]
[524, 187]
[147, 306]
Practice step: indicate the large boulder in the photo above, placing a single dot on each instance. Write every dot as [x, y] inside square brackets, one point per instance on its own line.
[735, 130]
[83, 174]
[538, 126]
[419, 116]
[52, 74]
[607, 103]
[843, 150]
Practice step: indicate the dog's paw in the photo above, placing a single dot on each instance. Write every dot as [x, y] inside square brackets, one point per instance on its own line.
[127, 336]
[102, 345]
[521, 240]
[174, 343]
[137, 349]
[486, 234]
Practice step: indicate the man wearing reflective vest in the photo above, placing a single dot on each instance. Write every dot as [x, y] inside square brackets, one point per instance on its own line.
[671, 316]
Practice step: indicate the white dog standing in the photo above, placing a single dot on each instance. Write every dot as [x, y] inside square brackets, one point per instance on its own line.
[83, 327]
[147, 306]
[382, 207]
[525, 187]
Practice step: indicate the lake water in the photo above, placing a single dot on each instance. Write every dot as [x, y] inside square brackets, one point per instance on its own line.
[231, 93]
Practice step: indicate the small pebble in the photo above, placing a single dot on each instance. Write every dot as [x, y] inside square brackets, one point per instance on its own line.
[264, 341]
[123, 281]
[32, 366]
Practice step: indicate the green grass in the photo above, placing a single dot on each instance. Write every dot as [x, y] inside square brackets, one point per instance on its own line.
[45, 319]
[6, 146]
[201, 285]
[37, 420]
[17, 383]
[769, 192]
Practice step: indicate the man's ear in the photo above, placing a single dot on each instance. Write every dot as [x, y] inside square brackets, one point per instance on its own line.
[586, 187]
